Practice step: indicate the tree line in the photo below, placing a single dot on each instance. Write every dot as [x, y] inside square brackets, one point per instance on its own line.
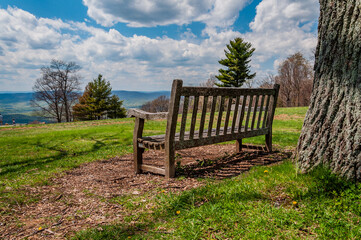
[295, 76]
[57, 95]
[57, 91]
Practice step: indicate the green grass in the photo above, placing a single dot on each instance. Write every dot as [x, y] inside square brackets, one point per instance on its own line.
[278, 204]
[32, 154]
[256, 205]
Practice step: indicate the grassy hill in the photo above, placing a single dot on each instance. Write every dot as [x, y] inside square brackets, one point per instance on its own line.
[277, 203]
[31, 154]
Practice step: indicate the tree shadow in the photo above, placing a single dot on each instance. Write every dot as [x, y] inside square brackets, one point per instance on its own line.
[60, 154]
[326, 184]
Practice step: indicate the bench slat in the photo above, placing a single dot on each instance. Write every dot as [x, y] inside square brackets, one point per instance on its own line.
[220, 113]
[254, 112]
[211, 117]
[184, 117]
[242, 112]
[248, 112]
[236, 106]
[194, 117]
[203, 117]
[148, 168]
[260, 112]
[266, 111]
[229, 104]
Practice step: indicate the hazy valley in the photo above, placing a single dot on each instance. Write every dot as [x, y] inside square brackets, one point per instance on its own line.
[17, 105]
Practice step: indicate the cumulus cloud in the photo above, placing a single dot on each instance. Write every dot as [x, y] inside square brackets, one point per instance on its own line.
[150, 13]
[283, 27]
[284, 15]
[28, 42]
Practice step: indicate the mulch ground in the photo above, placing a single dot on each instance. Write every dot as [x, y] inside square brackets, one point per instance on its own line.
[80, 198]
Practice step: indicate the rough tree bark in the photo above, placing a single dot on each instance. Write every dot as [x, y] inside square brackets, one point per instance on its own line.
[331, 134]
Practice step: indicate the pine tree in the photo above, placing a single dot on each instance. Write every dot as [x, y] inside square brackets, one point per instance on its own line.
[115, 109]
[85, 109]
[100, 93]
[237, 63]
[97, 102]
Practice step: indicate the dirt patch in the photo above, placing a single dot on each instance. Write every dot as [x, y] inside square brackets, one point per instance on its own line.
[49, 125]
[84, 197]
[288, 117]
[10, 127]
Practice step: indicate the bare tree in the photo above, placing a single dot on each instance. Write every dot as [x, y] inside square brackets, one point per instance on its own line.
[249, 83]
[159, 104]
[210, 81]
[46, 99]
[295, 76]
[56, 91]
[267, 82]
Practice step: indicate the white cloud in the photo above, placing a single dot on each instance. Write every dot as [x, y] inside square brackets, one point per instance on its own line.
[148, 13]
[284, 15]
[281, 28]
[28, 42]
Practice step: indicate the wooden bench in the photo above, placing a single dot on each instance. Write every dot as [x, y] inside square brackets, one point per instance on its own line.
[225, 114]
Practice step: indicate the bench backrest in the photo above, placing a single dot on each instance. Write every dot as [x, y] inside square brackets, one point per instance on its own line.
[209, 115]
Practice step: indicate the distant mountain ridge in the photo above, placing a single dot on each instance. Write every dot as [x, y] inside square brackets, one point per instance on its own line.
[134, 99]
[17, 105]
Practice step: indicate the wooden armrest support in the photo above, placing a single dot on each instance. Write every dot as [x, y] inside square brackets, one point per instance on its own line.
[133, 112]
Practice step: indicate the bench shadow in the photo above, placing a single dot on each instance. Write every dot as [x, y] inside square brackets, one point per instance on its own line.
[230, 165]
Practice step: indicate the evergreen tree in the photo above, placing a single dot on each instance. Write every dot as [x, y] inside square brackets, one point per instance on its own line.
[100, 95]
[97, 102]
[85, 109]
[115, 108]
[237, 63]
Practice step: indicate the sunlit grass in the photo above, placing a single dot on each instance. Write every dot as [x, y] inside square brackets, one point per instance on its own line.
[32, 154]
[270, 202]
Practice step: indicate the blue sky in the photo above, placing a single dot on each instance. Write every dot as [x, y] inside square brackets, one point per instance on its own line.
[145, 44]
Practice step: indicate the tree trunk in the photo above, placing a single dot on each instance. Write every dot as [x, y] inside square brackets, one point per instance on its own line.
[331, 134]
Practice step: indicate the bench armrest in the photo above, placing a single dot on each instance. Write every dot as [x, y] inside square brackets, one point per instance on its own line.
[133, 112]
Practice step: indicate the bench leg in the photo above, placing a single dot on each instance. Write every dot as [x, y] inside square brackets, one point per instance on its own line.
[269, 142]
[137, 151]
[169, 163]
[239, 145]
[138, 158]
